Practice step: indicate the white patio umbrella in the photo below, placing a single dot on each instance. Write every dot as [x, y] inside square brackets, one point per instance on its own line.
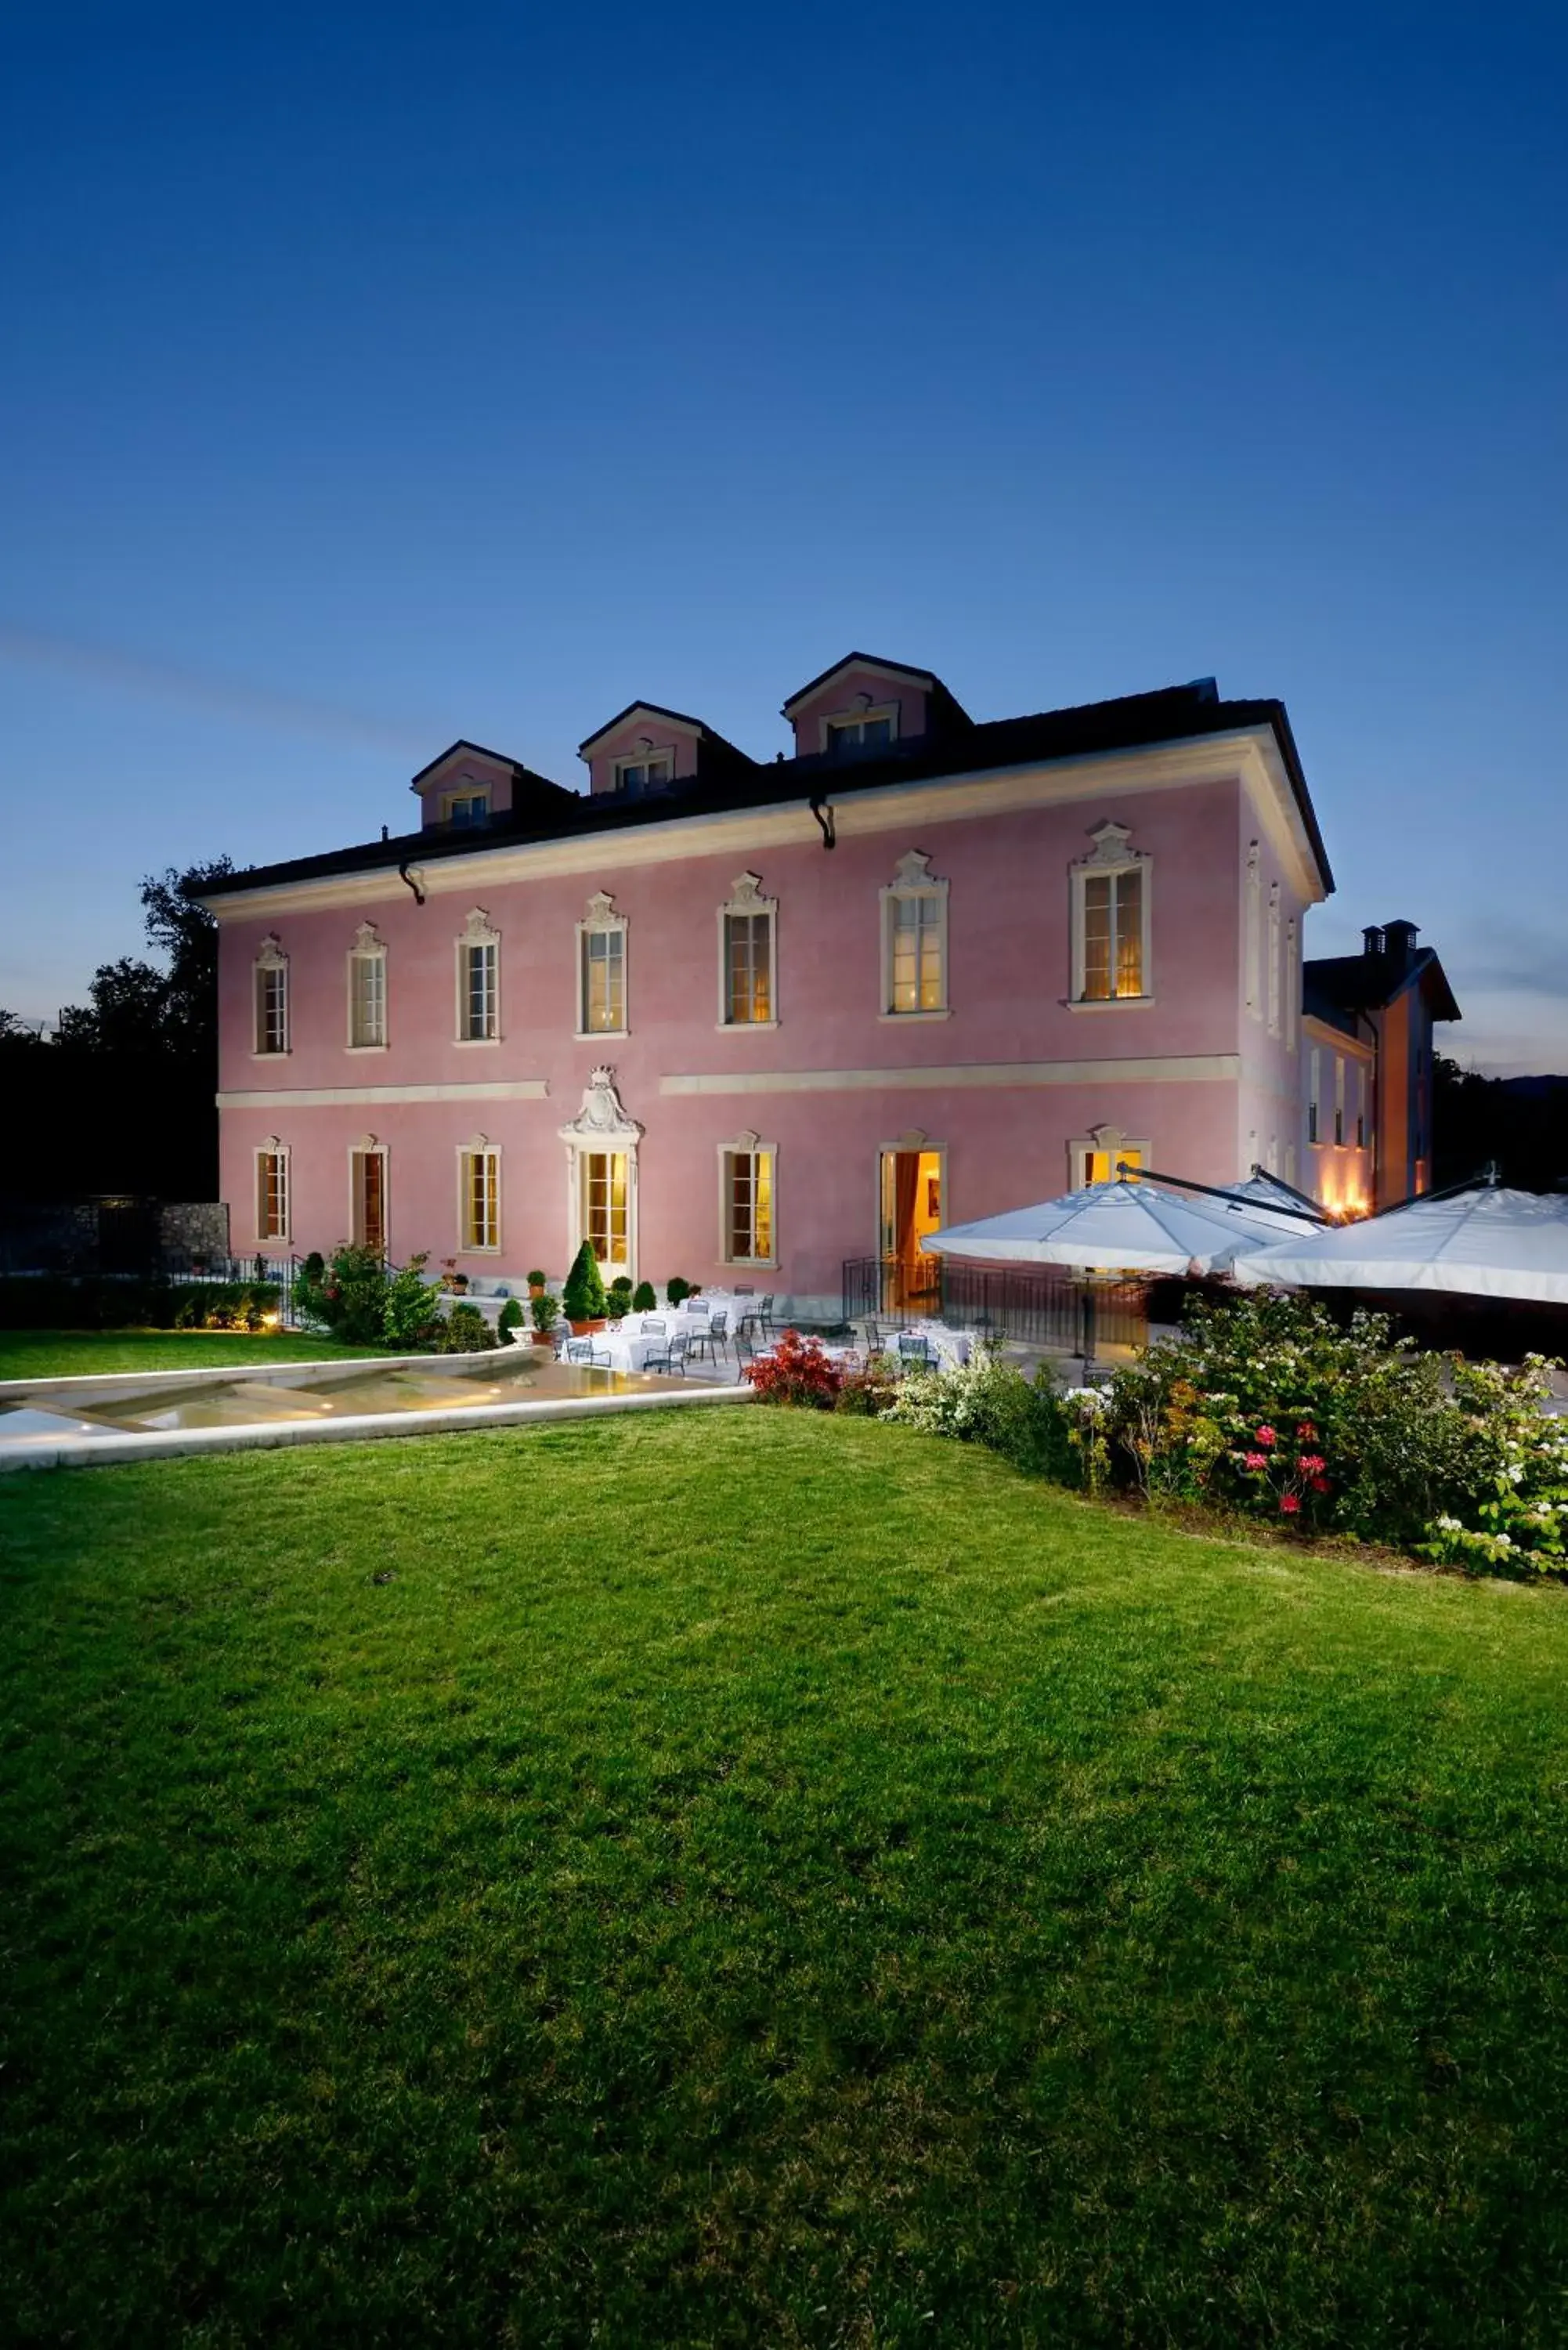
[1481, 1243]
[1118, 1228]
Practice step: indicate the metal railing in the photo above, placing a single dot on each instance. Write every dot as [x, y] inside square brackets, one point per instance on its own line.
[1040, 1305]
[192, 1269]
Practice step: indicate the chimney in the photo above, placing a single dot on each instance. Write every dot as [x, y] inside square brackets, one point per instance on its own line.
[1372, 939]
[1401, 938]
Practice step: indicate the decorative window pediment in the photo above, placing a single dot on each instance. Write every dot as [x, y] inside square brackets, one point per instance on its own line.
[478, 929]
[270, 956]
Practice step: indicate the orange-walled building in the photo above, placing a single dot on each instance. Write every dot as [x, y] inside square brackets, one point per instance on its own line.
[1366, 1024]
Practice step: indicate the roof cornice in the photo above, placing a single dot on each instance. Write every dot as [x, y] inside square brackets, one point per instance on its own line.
[1243, 754]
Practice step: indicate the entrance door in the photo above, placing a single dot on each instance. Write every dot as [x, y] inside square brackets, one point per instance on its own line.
[370, 1199]
[911, 1207]
[607, 1224]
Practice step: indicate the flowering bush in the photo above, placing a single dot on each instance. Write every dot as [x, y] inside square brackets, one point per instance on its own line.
[987, 1401]
[1268, 1405]
[798, 1371]
[1518, 1516]
[866, 1392]
[358, 1298]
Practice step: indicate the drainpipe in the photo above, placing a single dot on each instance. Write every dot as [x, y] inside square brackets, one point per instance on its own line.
[822, 812]
[404, 875]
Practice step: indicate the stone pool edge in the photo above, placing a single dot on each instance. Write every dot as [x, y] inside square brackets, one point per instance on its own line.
[115, 1386]
[165, 1444]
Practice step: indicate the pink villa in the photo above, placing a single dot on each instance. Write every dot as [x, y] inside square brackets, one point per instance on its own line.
[744, 1021]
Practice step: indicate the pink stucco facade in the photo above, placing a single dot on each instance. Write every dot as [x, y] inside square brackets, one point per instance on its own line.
[1005, 1083]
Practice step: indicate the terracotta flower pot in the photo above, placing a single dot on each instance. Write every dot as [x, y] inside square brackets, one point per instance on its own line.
[587, 1329]
[543, 1338]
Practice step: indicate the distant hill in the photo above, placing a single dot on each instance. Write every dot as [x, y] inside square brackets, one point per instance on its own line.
[1521, 1122]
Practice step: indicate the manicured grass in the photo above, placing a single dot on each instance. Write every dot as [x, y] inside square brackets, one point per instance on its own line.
[73, 1354]
[752, 1879]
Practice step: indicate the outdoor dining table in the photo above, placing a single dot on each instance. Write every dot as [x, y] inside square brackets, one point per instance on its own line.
[628, 1347]
[949, 1346]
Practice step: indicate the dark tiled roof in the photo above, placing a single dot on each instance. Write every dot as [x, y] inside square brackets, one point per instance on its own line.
[1339, 984]
[699, 726]
[502, 758]
[1132, 721]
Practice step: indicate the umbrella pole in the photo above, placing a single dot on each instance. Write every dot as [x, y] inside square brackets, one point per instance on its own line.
[1088, 1296]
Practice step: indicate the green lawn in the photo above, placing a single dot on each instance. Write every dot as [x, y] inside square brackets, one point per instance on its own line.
[746, 1879]
[73, 1354]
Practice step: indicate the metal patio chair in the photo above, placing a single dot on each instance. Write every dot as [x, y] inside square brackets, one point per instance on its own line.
[671, 1356]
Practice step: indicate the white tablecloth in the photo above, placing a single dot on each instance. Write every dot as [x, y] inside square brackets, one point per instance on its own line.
[628, 1347]
[950, 1345]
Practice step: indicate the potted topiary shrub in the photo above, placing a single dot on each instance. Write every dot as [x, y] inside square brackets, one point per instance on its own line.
[510, 1318]
[535, 1285]
[545, 1311]
[619, 1297]
[644, 1297]
[583, 1294]
[675, 1289]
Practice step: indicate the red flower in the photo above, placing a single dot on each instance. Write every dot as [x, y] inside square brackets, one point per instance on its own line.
[1290, 1503]
[1310, 1464]
[1256, 1460]
[1307, 1433]
[1320, 1485]
[1266, 1436]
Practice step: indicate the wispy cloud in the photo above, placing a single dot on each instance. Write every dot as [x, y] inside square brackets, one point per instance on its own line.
[194, 688]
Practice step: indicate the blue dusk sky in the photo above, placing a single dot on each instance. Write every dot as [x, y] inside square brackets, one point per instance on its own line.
[375, 377]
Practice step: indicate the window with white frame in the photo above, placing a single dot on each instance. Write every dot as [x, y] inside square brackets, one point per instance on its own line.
[1098, 1157]
[748, 945]
[646, 771]
[746, 1176]
[1315, 1067]
[601, 969]
[272, 1190]
[1111, 893]
[468, 810]
[271, 997]
[479, 1196]
[479, 980]
[867, 730]
[915, 938]
[367, 991]
[1339, 1098]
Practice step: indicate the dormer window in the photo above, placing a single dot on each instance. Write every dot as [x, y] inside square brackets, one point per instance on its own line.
[466, 811]
[869, 729]
[648, 771]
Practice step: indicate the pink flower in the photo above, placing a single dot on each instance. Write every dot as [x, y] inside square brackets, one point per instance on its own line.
[1290, 1503]
[1310, 1464]
[1266, 1436]
[1256, 1460]
[1307, 1433]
